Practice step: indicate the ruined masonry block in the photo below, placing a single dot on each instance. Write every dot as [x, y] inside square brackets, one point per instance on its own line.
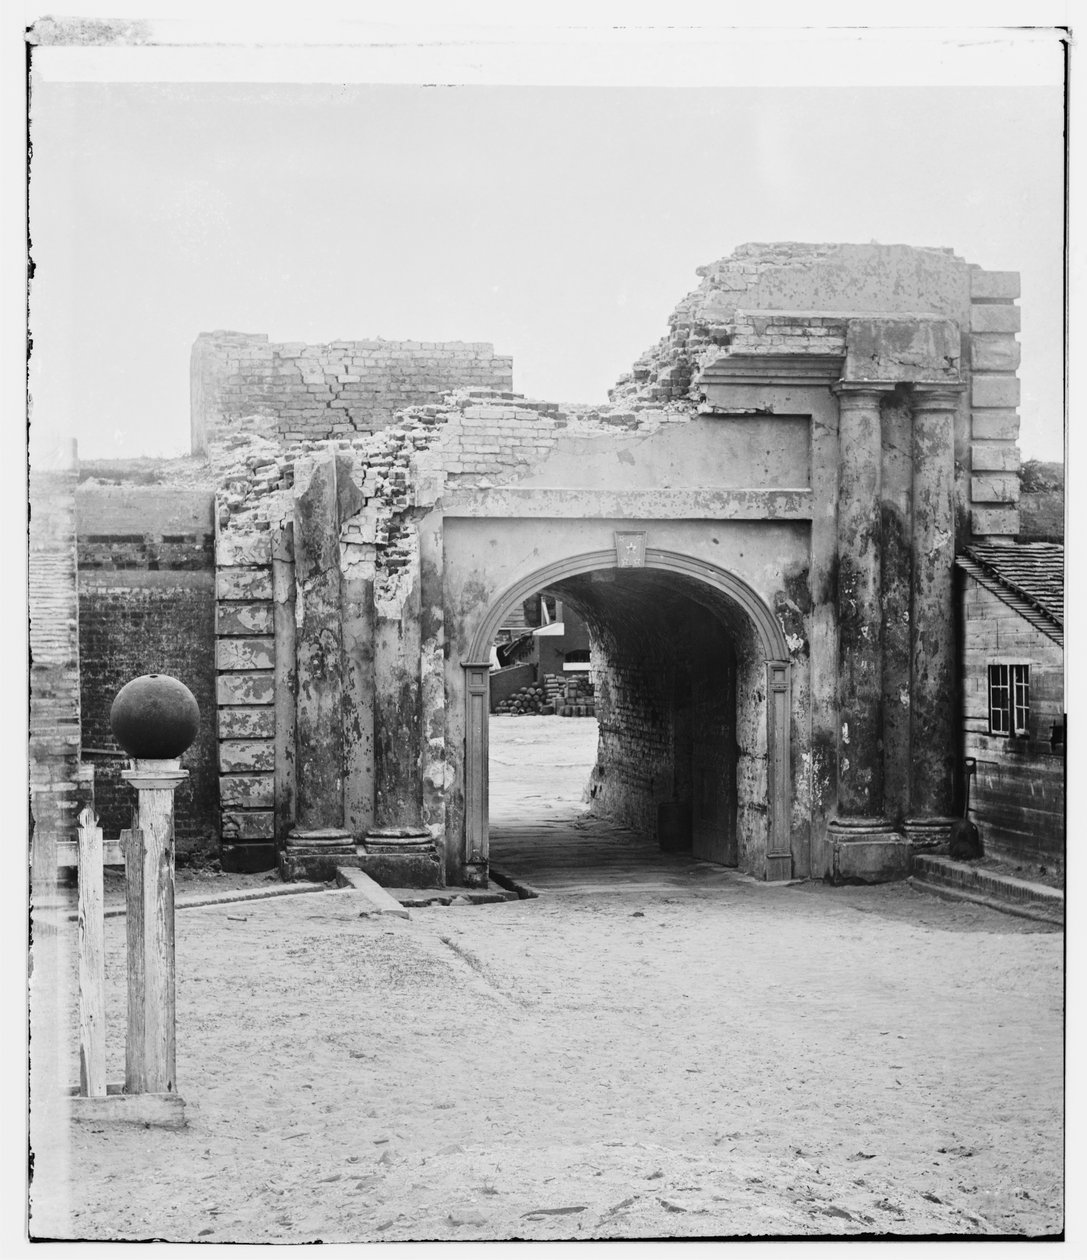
[994, 457]
[995, 488]
[243, 619]
[247, 754]
[231, 654]
[996, 424]
[259, 723]
[994, 352]
[250, 824]
[250, 791]
[993, 284]
[243, 584]
[995, 319]
[245, 688]
[994, 391]
[987, 522]
[233, 549]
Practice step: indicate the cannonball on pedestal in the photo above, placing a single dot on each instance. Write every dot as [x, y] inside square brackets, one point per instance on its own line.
[154, 717]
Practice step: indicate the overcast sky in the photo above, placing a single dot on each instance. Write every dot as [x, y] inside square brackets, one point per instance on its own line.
[561, 223]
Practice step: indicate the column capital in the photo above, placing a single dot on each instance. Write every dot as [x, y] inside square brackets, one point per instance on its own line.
[861, 393]
[936, 396]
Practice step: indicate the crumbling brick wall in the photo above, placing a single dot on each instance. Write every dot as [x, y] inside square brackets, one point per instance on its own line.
[296, 391]
[147, 605]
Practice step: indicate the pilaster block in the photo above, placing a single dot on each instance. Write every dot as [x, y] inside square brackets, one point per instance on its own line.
[246, 754]
[1002, 425]
[994, 457]
[244, 549]
[245, 688]
[255, 824]
[988, 522]
[256, 723]
[994, 391]
[994, 319]
[994, 488]
[994, 284]
[243, 619]
[994, 352]
[245, 654]
[248, 791]
[243, 584]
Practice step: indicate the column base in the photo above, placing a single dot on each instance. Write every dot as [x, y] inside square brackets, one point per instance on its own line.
[867, 851]
[927, 832]
[315, 855]
[400, 857]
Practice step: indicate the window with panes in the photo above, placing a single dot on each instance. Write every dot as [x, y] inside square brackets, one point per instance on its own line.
[1009, 699]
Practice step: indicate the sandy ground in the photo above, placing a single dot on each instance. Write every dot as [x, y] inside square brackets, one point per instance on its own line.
[740, 1060]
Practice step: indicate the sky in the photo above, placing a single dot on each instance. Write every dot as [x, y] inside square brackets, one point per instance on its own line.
[561, 221]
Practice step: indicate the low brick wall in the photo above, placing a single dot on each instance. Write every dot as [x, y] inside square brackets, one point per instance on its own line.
[147, 605]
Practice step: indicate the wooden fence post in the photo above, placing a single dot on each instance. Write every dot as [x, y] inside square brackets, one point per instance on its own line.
[92, 971]
[150, 1057]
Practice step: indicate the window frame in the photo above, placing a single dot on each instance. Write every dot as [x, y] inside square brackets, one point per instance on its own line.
[1008, 696]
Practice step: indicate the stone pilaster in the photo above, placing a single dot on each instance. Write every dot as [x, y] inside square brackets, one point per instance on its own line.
[318, 842]
[932, 640]
[863, 844]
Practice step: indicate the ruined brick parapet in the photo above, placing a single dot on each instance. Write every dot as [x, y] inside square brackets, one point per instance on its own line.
[335, 390]
[894, 313]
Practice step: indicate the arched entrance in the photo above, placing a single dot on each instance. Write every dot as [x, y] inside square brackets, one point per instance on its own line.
[752, 667]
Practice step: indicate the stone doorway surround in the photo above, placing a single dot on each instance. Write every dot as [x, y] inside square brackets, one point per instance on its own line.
[772, 651]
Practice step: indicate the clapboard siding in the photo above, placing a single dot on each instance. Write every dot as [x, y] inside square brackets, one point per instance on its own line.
[1018, 793]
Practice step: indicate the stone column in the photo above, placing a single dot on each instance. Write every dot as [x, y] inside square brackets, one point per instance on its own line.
[932, 638]
[863, 844]
[318, 841]
[399, 849]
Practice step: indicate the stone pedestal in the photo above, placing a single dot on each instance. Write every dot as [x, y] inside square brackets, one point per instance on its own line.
[933, 691]
[928, 832]
[863, 844]
[401, 858]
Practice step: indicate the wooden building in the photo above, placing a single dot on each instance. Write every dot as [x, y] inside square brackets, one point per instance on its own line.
[1012, 601]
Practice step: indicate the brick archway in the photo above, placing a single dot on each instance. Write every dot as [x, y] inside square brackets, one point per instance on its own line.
[771, 649]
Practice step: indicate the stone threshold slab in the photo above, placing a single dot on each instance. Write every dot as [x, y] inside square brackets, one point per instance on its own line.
[378, 900]
[417, 898]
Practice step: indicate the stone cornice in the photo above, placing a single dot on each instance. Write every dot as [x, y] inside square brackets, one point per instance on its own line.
[771, 369]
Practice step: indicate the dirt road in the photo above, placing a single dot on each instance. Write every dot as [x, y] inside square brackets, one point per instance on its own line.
[726, 1061]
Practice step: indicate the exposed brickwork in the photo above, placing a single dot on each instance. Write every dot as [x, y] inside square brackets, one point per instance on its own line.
[56, 793]
[327, 391]
[146, 599]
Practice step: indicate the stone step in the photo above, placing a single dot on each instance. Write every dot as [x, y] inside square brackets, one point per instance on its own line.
[1002, 892]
